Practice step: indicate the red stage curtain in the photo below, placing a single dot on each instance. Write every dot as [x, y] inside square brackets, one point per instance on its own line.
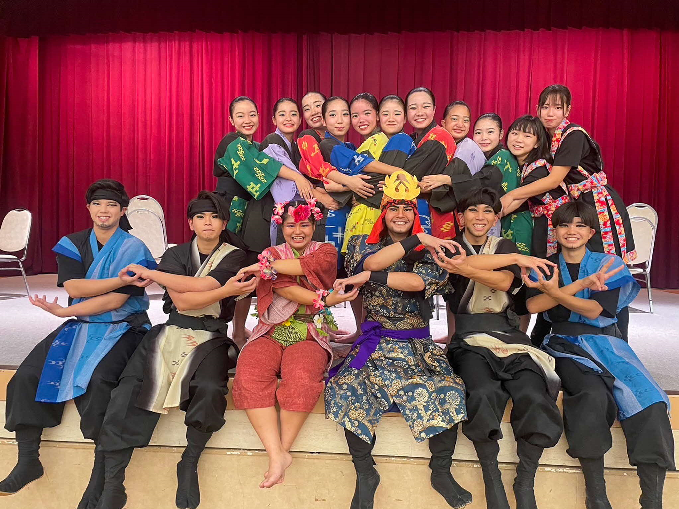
[150, 109]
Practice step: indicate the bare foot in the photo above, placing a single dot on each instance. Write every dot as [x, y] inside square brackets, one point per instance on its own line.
[276, 473]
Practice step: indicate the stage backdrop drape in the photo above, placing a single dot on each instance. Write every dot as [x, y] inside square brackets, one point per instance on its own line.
[150, 109]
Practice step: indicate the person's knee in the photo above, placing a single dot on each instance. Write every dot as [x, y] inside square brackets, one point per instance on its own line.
[210, 388]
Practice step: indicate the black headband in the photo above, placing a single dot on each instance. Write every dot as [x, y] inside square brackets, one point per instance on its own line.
[109, 194]
[201, 206]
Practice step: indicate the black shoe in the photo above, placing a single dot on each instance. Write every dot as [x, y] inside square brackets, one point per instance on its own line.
[96, 485]
[113, 495]
[188, 491]
[595, 484]
[28, 467]
[366, 485]
[652, 482]
[524, 483]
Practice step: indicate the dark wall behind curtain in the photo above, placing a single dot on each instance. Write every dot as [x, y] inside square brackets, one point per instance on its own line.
[150, 109]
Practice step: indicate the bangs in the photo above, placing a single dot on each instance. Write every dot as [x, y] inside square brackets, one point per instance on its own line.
[526, 124]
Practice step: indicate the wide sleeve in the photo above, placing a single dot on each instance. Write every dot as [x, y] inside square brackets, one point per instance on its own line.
[434, 277]
[280, 155]
[320, 266]
[429, 159]
[228, 266]
[445, 198]
[348, 161]
[218, 169]
[312, 163]
[357, 252]
[254, 171]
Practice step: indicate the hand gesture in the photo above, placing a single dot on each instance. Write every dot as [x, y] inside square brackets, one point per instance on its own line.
[597, 281]
[358, 280]
[430, 182]
[436, 246]
[328, 201]
[358, 185]
[138, 278]
[535, 263]
[453, 265]
[246, 271]
[306, 190]
[338, 297]
[238, 286]
[51, 307]
[547, 286]
[509, 204]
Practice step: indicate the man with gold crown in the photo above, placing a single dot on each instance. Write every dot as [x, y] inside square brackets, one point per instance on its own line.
[395, 365]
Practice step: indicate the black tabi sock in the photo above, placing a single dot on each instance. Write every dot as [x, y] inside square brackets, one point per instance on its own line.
[496, 496]
[595, 484]
[188, 490]
[524, 483]
[442, 447]
[96, 485]
[28, 467]
[113, 495]
[652, 482]
[366, 486]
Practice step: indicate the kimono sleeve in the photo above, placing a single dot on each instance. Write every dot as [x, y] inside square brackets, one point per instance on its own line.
[280, 155]
[573, 149]
[253, 170]
[69, 268]
[171, 263]
[434, 277]
[313, 163]
[348, 161]
[444, 198]
[228, 266]
[429, 159]
[357, 252]
[320, 267]
[608, 300]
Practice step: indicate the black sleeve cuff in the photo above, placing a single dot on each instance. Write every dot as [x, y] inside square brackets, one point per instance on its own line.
[379, 277]
[410, 243]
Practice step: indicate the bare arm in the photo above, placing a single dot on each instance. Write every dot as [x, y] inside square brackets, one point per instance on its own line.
[184, 301]
[306, 297]
[543, 302]
[382, 168]
[92, 287]
[389, 255]
[541, 186]
[180, 284]
[405, 281]
[497, 279]
[94, 306]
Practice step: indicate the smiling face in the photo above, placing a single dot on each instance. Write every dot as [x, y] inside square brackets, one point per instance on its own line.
[421, 110]
[399, 220]
[457, 122]
[298, 235]
[106, 214]
[521, 143]
[553, 112]
[363, 117]
[573, 235]
[207, 225]
[287, 117]
[477, 220]
[245, 118]
[311, 109]
[392, 117]
[337, 118]
[487, 134]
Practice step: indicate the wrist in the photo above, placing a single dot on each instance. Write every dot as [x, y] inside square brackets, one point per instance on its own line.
[410, 243]
[379, 277]
[554, 293]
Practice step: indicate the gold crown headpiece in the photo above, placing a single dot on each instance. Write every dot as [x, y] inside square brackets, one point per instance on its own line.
[400, 185]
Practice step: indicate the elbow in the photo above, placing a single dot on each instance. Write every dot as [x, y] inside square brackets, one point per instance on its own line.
[72, 292]
[416, 286]
[369, 264]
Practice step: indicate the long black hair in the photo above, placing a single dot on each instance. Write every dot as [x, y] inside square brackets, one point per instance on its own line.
[533, 125]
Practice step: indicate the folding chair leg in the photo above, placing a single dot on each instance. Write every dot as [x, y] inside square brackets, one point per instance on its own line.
[648, 289]
[21, 267]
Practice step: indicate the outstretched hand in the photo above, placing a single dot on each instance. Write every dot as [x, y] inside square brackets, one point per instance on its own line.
[246, 271]
[358, 184]
[453, 264]
[597, 281]
[357, 281]
[138, 278]
[547, 286]
[537, 264]
[240, 284]
[51, 307]
[437, 246]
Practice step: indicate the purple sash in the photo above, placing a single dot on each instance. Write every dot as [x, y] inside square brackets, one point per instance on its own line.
[371, 334]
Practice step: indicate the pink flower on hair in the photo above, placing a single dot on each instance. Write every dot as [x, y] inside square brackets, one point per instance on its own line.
[291, 211]
[301, 213]
[312, 202]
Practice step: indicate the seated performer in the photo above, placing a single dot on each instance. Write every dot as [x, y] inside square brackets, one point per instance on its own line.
[600, 374]
[291, 339]
[182, 363]
[495, 359]
[84, 357]
[395, 363]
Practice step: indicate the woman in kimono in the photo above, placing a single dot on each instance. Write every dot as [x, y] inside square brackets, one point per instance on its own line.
[457, 121]
[244, 172]
[579, 166]
[291, 339]
[488, 133]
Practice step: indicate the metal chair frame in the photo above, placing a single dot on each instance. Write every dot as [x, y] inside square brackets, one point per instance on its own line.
[645, 269]
[23, 257]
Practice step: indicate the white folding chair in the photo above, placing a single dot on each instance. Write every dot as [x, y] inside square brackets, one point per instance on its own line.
[643, 210]
[146, 202]
[148, 227]
[644, 232]
[15, 232]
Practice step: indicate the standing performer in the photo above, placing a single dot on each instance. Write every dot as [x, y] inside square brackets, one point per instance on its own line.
[457, 121]
[244, 172]
[495, 359]
[291, 339]
[488, 133]
[395, 362]
[84, 357]
[182, 363]
[601, 375]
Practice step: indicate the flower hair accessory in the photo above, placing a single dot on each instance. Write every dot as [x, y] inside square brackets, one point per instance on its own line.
[299, 213]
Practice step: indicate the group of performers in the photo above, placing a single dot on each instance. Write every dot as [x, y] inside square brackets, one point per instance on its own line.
[499, 230]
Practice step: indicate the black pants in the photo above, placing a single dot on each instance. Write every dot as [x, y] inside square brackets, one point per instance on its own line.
[590, 410]
[22, 410]
[535, 417]
[127, 425]
[441, 445]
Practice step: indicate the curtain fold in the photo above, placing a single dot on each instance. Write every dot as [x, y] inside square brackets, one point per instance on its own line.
[150, 109]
